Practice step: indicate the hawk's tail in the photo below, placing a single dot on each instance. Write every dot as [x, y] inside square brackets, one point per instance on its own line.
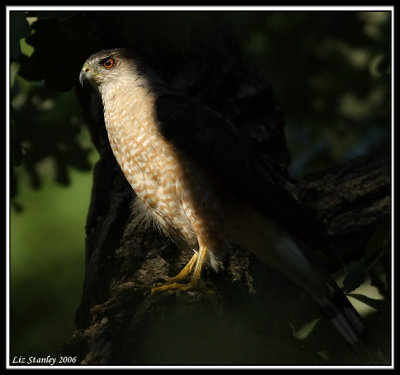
[272, 245]
[349, 323]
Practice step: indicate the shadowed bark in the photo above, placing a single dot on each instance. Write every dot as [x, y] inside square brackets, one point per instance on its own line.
[240, 316]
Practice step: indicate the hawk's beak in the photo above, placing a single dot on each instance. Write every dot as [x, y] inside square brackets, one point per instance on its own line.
[85, 74]
[82, 77]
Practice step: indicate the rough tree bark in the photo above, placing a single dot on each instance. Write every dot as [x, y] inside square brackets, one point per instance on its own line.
[241, 316]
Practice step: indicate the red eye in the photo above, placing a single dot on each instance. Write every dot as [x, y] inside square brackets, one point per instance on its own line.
[108, 63]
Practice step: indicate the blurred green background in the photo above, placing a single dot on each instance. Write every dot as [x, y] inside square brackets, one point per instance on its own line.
[330, 72]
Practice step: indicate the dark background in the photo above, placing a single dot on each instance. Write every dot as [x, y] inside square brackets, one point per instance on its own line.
[330, 72]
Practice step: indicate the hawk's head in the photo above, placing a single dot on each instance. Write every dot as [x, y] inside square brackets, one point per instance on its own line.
[110, 67]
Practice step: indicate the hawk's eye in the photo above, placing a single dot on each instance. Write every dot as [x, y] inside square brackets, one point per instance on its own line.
[108, 63]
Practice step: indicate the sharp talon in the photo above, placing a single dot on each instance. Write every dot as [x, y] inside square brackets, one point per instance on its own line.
[172, 286]
[196, 261]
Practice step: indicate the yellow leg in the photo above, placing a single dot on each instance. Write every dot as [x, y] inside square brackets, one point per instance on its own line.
[174, 283]
[185, 271]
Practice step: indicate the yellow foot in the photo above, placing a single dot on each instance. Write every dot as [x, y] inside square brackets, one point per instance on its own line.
[184, 273]
[175, 282]
[168, 286]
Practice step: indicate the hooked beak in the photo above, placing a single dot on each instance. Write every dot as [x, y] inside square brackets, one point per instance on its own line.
[82, 77]
[85, 74]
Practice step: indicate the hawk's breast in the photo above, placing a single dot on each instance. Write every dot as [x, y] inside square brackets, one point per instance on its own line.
[152, 166]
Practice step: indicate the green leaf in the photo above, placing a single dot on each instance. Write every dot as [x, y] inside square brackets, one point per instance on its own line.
[305, 330]
[19, 28]
[378, 239]
[355, 275]
[377, 304]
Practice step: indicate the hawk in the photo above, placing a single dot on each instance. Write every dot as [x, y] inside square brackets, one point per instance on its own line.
[200, 181]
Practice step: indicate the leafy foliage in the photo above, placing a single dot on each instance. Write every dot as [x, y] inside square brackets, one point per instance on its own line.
[377, 304]
[331, 74]
[19, 29]
[45, 115]
[374, 258]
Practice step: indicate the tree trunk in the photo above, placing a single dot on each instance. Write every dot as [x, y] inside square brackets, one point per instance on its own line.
[242, 315]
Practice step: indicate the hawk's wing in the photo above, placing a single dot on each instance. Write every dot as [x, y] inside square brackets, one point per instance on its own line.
[222, 150]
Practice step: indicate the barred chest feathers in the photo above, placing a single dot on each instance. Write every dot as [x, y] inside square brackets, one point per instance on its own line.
[149, 163]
